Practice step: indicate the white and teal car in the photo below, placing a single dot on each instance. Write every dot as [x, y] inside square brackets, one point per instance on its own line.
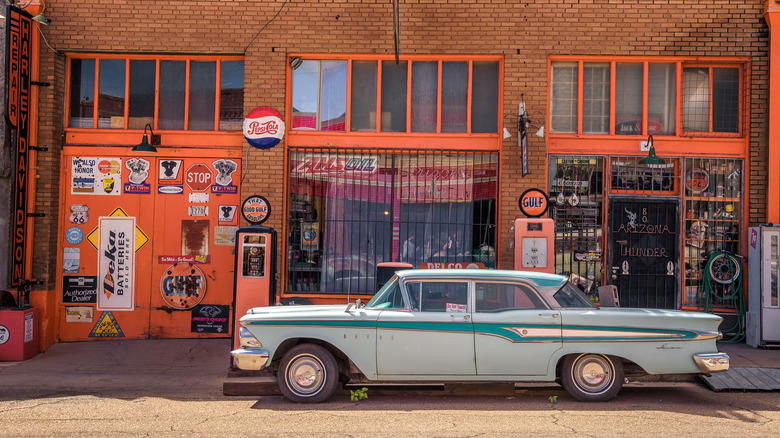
[474, 326]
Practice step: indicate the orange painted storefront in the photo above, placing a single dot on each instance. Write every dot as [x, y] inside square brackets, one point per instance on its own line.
[184, 218]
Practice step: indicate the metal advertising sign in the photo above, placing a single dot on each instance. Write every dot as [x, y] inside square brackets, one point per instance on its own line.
[116, 263]
[17, 99]
[183, 285]
[256, 209]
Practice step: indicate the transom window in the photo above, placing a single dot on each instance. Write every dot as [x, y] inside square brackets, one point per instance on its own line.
[204, 93]
[628, 97]
[424, 95]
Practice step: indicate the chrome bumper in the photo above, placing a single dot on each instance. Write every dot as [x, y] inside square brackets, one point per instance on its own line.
[249, 359]
[712, 362]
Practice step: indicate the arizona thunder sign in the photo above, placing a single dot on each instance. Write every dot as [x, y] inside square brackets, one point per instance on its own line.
[263, 127]
[17, 99]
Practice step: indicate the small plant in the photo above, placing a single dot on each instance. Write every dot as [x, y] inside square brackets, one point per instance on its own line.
[358, 394]
[553, 399]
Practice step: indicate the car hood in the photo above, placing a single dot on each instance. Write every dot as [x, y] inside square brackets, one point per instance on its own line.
[304, 313]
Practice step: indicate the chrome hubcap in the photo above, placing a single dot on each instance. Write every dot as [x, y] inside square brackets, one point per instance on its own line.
[305, 375]
[593, 373]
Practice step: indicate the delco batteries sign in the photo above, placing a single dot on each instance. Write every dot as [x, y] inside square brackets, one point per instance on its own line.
[17, 102]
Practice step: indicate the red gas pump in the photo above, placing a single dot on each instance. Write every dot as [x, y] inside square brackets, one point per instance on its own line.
[255, 272]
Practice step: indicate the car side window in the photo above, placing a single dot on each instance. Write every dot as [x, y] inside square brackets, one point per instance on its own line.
[497, 297]
[439, 296]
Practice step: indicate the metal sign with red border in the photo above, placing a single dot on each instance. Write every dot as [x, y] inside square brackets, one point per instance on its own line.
[256, 209]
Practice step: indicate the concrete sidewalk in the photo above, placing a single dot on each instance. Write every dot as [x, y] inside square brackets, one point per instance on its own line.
[177, 368]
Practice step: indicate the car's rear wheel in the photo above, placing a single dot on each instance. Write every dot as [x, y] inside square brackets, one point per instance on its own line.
[592, 377]
[308, 373]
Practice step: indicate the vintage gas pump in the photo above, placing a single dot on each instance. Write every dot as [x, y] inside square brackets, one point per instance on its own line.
[255, 264]
[534, 236]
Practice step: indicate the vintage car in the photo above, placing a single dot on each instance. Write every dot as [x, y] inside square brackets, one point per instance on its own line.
[474, 326]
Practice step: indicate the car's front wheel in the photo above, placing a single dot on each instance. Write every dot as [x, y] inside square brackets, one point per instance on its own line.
[308, 373]
[592, 377]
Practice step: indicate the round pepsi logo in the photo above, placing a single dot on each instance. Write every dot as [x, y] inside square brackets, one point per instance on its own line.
[263, 127]
[74, 235]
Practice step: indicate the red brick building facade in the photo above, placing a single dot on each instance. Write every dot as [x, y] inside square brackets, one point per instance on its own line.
[526, 39]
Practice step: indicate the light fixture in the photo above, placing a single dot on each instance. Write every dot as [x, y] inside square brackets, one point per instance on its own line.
[540, 132]
[144, 146]
[40, 18]
[651, 158]
[295, 62]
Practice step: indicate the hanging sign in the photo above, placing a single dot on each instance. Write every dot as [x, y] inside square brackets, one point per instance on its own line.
[17, 103]
[256, 209]
[263, 127]
[534, 202]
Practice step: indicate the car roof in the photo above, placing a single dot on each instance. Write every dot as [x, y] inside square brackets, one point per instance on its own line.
[541, 279]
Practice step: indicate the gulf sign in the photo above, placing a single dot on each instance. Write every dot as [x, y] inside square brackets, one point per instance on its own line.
[263, 127]
[534, 202]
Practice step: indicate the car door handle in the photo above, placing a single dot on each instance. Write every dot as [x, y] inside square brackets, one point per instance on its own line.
[462, 317]
[548, 315]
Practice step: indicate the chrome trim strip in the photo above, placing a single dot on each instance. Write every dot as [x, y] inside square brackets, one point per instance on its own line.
[712, 362]
[250, 359]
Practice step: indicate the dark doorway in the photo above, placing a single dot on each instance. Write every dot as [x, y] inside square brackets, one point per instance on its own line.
[643, 242]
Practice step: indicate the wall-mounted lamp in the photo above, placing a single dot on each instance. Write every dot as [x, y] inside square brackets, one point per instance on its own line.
[40, 18]
[295, 62]
[144, 146]
[651, 158]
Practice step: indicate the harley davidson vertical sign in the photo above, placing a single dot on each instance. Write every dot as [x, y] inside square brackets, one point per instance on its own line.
[17, 73]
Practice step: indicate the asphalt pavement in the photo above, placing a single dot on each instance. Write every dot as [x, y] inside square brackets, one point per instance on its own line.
[177, 367]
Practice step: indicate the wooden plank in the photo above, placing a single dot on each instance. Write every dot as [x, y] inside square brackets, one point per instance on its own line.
[741, 381]
[770, 377]
[715, 382]
[755, 378]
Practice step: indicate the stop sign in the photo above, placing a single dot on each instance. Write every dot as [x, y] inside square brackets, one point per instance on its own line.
[198, 177]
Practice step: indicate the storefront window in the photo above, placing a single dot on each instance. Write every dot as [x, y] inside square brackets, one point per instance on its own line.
[364, 75]
[393, 96]
[111, 107]
[595, 105]
[319, 93]
[231, 96]
[350, 210]
[425, 87]
[484, 111]
[82, 93]
[133, 107]
[722, 85]
[203, 82]
[662, 79]
[141, 96]
[173, 76]
[713, 97]
[454, 96]
[563, 98]
[628, 98]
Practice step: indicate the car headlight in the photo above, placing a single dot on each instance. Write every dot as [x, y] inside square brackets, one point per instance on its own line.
[246, 339]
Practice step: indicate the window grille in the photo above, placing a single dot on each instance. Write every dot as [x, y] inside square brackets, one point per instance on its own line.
[714, 99]
[576, 199]
[349, 210]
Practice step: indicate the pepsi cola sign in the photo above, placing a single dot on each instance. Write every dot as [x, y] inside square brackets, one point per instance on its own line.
[263, 127]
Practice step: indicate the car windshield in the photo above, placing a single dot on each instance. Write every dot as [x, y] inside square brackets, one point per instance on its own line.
[389, 297]
[568, 296]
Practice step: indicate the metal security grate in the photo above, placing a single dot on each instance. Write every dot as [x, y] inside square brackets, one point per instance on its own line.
[576, 199]
[714, 99]
[352, 209]
[713, 206]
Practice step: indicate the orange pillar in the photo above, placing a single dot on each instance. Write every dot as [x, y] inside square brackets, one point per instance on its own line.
[772, 17]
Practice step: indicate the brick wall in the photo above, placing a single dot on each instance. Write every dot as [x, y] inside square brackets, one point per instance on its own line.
[525, 32]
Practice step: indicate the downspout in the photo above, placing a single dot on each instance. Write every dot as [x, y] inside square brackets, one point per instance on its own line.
[772, 17]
